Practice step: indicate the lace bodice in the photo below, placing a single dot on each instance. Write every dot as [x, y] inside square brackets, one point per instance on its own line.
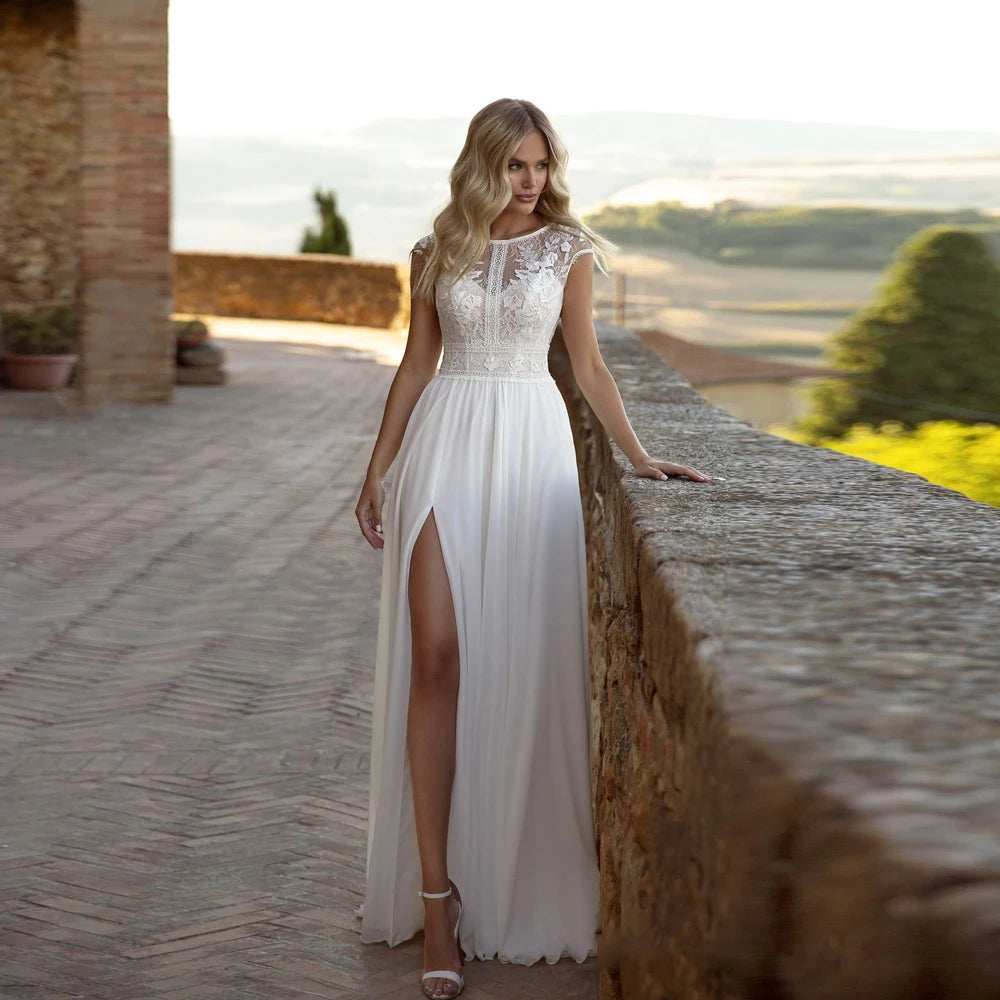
[498, 320]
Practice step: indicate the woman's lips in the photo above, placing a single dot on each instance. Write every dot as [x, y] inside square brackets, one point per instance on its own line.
[527, 197]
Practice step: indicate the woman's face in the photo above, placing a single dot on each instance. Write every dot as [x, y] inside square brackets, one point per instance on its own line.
[528, 170]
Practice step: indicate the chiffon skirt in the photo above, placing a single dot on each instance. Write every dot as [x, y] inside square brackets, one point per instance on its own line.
[495, 460]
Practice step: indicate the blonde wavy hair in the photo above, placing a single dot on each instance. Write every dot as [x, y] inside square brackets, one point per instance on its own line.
[481, 190]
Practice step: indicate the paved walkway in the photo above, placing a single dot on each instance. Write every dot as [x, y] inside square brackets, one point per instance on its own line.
[188, 616]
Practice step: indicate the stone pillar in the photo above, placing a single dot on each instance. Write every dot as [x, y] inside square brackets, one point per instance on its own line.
[126, 267]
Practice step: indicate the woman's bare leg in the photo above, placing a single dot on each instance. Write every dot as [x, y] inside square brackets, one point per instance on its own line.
[430, 739]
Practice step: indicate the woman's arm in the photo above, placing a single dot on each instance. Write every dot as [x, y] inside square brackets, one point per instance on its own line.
[597, 383]
[416, 369]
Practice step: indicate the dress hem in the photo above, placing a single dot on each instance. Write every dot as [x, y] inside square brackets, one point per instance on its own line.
[498, 955]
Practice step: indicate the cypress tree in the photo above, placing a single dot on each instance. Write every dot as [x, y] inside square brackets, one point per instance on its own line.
[333, 236]
[931, 338]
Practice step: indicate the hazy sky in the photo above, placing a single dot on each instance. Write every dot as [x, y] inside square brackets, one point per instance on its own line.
[306, 66]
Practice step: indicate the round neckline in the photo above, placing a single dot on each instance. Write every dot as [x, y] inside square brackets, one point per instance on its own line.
[523, 236]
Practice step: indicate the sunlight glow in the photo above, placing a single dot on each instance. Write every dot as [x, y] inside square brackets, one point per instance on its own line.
[240, 67]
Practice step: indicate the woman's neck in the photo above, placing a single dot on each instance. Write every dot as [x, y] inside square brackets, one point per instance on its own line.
[528, 224]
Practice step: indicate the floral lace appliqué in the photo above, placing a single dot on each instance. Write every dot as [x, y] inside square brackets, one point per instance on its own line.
[497, 321]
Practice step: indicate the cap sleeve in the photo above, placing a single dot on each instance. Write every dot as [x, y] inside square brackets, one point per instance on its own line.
[418, 257]
[423, 245]
[579, 244]
[573, 244]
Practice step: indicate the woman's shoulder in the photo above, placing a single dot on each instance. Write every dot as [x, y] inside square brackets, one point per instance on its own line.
[423, 244]
[571, 234]
[573, 241]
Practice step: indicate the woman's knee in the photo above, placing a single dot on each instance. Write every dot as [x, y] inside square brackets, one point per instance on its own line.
[435, 661]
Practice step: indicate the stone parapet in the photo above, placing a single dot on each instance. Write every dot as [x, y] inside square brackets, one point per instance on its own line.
[325, 288]
[796, 712]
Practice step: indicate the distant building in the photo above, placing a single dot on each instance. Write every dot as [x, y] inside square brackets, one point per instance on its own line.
[85, 184]
[761, 391]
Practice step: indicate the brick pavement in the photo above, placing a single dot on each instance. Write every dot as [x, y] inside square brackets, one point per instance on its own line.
[189, 616]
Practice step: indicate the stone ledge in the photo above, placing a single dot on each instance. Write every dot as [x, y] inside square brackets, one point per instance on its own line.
[797, 711]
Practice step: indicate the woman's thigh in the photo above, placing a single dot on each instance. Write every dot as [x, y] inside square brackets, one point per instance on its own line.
[434, 631]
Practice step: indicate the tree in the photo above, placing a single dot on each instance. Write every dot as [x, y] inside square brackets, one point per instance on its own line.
[333, 236]
[929, 341]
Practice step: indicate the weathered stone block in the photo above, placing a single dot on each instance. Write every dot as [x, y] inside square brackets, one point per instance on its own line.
[204, 356]
[201, 376]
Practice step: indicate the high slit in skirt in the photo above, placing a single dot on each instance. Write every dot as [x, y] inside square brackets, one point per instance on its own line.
[495, 460]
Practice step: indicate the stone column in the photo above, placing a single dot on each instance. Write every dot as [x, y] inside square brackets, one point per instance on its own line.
[126, 267]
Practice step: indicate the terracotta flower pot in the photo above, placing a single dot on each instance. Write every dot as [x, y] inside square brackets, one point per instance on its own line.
[37, 371]
[194, 339]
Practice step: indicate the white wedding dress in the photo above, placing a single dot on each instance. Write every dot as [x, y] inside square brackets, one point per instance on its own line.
[489, 447]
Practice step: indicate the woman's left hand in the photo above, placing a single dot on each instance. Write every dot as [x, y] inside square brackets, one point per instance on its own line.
[652, 469]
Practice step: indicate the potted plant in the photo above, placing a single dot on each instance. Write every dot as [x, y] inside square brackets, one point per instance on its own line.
[189, 333]
[39, 347]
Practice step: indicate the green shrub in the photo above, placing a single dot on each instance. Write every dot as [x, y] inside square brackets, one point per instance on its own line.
[189, 326]
[49, 331]
[962, 457]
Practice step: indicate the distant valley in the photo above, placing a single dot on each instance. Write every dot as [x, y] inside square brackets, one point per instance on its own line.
[391, 176]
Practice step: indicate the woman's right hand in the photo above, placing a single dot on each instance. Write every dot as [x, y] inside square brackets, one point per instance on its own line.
[369, 511]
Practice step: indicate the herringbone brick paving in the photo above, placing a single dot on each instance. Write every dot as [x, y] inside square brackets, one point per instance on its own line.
[189, 619]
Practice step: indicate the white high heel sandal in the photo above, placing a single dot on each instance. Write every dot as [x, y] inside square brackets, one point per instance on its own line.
[455, 977]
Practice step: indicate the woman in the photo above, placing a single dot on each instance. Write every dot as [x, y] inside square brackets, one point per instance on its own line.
[480, 761]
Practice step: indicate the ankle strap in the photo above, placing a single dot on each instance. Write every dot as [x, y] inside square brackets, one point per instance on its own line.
[434, 895]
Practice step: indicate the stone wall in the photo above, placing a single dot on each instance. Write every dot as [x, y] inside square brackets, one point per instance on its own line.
[40, 154]
[796, 712]
[323, 288]
[85, 184]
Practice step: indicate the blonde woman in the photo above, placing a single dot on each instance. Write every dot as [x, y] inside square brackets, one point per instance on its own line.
[481, 826]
